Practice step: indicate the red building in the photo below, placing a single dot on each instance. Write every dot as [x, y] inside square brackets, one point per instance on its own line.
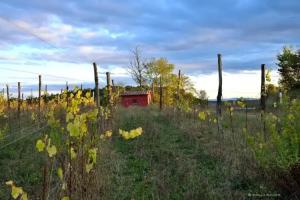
[136, 98]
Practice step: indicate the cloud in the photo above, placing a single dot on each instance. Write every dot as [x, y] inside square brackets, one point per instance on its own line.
[189, 33]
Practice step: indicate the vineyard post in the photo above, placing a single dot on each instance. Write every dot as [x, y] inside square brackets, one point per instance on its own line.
[19, 102]
[109, 101]
[81, 86]
[8, 104]
[67, 86]
[40, 89]
[22, 101]
[219, 96]
[263, 89]
[263, 97]
[108, 81]
[7, 96]
[46, 91]
[178, 87]
[96, 94]
[160, 93]
[113, 91]
[113, 85]
[152, 89]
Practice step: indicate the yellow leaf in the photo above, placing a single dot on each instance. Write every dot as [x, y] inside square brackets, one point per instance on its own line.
[202, 116]
[40, 145]
[60, 173]
[24, 196]
[108, 133]
[65, 198]
[16, 191]
[9, 183]
[51, 151]
[89, 167]
[73, 153]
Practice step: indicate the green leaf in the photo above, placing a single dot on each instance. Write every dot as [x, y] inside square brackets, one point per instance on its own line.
[89, 167]
[202, 116]
[73, 153]
[60, 173]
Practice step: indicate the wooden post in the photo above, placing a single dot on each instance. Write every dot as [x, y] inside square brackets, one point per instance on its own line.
[81, 86]
[263, 89]
[46, 91]
[263, 98]
[108, 81]
[7, 96]
[97, 98]
[113, 86]
[178, 87]
[67, 86]
[160, 93]
[8, 106]
[219, 97]
[19, 102]
[152, 89]
[40, 90]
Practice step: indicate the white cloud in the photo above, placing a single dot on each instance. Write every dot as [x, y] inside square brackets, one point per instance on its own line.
[242, 84]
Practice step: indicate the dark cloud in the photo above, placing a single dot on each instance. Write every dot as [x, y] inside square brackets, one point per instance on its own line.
[189, 33]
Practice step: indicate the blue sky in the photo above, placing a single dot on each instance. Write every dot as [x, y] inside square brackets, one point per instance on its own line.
[70, 35]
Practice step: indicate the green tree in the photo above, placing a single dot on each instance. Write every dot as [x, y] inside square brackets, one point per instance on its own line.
[203, 98]
[289, 68]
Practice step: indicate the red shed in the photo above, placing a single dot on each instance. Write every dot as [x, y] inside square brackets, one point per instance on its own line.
[136, 98]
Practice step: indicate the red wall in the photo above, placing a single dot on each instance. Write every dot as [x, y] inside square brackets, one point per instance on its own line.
[138, 100]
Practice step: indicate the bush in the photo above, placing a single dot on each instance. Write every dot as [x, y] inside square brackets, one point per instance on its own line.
[279, 151]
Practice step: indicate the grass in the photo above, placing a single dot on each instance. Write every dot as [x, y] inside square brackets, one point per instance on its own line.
[172, 161]
[176, 157]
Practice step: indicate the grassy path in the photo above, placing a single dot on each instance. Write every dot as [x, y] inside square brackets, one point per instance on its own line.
[164, 163]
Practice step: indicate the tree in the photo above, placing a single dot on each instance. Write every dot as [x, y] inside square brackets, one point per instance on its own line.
[203, 98]
[137, 67]
[289, 68]
[157, 68]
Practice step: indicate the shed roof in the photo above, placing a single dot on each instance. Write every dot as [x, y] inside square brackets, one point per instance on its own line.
[135, 93]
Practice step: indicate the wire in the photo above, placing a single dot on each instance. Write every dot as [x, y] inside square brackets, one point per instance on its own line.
[114, 73]
[29, 32]
[20, 138]
[51, 75]
[17, 130]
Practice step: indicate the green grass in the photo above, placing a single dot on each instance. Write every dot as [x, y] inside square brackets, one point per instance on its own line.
[176, 157]
[168, 162]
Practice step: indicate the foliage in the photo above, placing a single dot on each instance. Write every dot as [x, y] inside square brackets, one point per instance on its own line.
[281, 148]
[289, 68]
[131, 134]
[17, 192]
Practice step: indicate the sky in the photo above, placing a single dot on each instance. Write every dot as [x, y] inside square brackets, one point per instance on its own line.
[61, 40]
